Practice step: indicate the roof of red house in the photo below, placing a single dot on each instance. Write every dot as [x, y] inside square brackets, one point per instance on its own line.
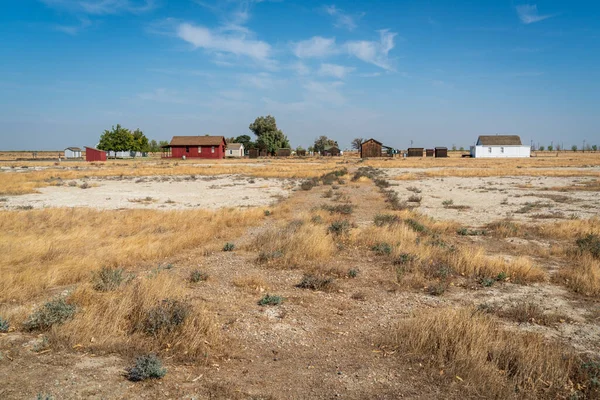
[197, 140]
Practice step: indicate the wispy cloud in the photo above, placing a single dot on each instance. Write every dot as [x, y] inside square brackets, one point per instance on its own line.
[300, 68]
[263, 81]
[322, 92]
[214, 40]
[103, 7]
[342, 20]
[74, 29]
[315, 47]
[528, 14]
[163, 95]
[335, 71]
[373, 52]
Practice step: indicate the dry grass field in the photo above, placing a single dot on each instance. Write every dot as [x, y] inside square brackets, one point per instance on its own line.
[301, 278]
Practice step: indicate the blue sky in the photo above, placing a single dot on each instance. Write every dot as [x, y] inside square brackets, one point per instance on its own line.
[431, 72]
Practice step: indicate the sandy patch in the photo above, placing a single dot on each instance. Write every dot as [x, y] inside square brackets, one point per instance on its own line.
[157, 192]
[489, 199]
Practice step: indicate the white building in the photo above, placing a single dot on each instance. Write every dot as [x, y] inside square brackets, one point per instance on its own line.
[234, 150]
[500, 146]
[72, 152]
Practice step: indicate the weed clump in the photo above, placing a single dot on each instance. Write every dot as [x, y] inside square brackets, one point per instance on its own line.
[270, 300]
[166, 317]
[590, 244]
[4, 325]
[198, 276]
[313, 282]
[386, 219]
[228, 246]
[146, 367]
[345, 209]
[339, 228]
[53, 312]
[108, 279]
[382, 249]
[415, 199]
[352, 273]
[307, 185]
[415, 225]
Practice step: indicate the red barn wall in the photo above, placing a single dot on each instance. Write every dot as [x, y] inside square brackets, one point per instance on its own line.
[94, 155]
[192, 152]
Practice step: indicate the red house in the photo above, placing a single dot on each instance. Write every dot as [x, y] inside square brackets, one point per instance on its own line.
[92, 154]
[195, 147]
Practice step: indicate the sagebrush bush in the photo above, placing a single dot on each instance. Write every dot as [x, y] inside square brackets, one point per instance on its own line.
[197, 276]
[307, 185]
[228, 246]
[314, 282]
[339, 227]
[146, 367]
[270, 300]
[382, 249]
[386, 219]
[344, 209]
[4, 325]
[53, 312]
[590, 244]
[107, 279]
[168, 316]
[415, 225]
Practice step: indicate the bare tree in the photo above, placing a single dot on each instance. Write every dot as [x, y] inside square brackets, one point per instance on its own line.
[357, 142]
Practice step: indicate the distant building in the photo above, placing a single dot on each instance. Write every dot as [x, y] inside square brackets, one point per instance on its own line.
[234, 150]
[441, 152]
[500, 146]
[92, 154]
[371, 148]
[415, 151]
[72, 152]
[331, 150]
[195, 147]
[284, 152]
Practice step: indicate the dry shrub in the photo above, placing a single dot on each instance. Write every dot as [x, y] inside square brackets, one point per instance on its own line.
[46, 248]
[252, 283]
[490, 361]
[526, 311]
[471, 261]
[296, 244]
[582, 275]
[119, 321]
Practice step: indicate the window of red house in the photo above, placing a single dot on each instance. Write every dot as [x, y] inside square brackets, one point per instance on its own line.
[212, 149]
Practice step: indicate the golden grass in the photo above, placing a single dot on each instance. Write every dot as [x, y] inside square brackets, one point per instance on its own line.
[110, 321]
[253, 283]
[15, 183]
[49, 248]
[294, 244]
[469, 347]
[582, 275]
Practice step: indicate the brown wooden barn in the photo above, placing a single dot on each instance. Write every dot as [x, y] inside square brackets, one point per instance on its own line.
[253, 153]
[301, 153]
[441, 152]
[331, 151]
[415, 151]
[263, 153]
[370, 148]
[284, 152]
[429, 153]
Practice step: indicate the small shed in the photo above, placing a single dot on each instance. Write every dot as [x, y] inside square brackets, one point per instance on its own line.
[370, 148]
[253, 153]
[263, 153]
[92, 154]
[330, 150]
[429, 152]
[284, 152]
[234, 150]
[301, 153]
[415, 151]
[72, 152]
[441, 152]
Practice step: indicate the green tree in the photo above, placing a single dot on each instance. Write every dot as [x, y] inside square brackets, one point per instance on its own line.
[574, 147]
[154, 146]
[246, 141]
[268, 137]
[357, 142]
[453, 147]
[140, 141]
[595, 147]
[117, 139]
[462, 148]
[310, 149]
[163, 143]
[550, 148]
[323, 141]
[299, 148]
[542, 148]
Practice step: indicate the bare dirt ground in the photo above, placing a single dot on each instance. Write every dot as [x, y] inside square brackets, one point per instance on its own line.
[157, 192]
[317, 344]
[484, 200]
